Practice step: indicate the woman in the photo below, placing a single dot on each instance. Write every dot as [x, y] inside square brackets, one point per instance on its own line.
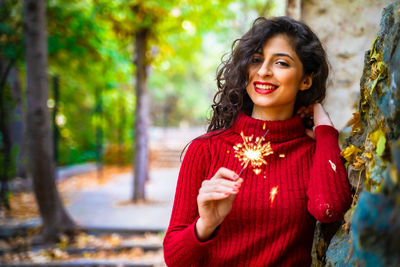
[230, 210]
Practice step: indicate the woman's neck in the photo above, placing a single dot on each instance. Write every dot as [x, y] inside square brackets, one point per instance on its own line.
[271, 114]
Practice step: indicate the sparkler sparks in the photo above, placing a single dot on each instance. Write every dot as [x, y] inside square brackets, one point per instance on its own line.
[333, 165]
[252, 152]
[273, 193]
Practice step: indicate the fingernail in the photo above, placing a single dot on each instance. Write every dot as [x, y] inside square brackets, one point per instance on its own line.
[235, 190]
[235, 176]
[226, 194]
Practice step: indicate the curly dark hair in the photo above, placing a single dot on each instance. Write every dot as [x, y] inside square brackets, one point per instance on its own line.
[233, 74]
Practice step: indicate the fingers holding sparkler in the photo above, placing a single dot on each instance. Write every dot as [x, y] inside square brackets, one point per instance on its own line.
[218, 188]
[227, 174]
[224, 183]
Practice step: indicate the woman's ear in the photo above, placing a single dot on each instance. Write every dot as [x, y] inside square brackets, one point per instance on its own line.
[306, 82]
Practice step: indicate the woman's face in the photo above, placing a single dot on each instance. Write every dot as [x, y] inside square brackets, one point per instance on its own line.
[275, 77]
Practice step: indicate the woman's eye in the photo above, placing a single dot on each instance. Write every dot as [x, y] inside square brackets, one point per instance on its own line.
[283, 63]
[256, 60]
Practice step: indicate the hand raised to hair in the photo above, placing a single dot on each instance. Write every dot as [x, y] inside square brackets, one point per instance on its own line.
[215, 201]
[318, 114]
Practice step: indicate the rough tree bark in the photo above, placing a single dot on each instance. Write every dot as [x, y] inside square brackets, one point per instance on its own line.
[371, 233]
[142, 115]
[55, 219]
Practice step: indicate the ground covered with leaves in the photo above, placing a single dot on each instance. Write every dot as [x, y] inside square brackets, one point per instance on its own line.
[110, 248]
[118, 248]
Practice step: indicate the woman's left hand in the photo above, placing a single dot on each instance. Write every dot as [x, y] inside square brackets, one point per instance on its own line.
[318, 114]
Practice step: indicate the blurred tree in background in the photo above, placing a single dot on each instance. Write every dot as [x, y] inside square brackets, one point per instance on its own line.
[55, 219]
[11, 114]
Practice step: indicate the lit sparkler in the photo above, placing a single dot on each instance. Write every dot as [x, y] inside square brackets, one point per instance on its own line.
[252, 152]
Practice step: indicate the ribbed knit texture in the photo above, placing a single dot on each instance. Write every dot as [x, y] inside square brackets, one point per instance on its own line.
[311, 181]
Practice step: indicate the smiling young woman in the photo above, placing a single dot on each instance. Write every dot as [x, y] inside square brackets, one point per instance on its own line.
[268, 89]
[275, 77]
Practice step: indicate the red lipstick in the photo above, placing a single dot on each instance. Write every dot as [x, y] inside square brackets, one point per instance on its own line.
[264, 88]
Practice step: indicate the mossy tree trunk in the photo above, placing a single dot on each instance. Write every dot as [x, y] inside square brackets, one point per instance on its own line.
[371, 233]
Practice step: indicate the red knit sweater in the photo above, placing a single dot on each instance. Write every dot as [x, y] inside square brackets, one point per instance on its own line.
[262, 229]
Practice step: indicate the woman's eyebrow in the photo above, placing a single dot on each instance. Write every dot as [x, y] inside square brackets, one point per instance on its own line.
[283, 55]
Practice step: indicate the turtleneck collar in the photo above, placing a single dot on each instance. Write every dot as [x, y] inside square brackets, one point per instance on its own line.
[279, 131]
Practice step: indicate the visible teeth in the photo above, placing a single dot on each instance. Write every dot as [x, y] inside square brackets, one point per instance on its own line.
[265, 86]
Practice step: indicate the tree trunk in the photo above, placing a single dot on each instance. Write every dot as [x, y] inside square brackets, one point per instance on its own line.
[56, 131]
[372, 152]
[99, 132]
[17, 127]
[5, 141]
[54, 216]
[142, 115]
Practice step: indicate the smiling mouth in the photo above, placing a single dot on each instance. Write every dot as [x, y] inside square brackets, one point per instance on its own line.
[264, 88]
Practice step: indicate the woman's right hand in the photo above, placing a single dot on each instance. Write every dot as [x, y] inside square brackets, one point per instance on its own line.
[215, 201]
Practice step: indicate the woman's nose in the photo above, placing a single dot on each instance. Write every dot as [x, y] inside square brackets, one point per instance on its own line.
[264, 70]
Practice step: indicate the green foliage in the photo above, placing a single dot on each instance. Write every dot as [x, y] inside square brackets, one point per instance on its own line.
[11, 37]
[87, 55]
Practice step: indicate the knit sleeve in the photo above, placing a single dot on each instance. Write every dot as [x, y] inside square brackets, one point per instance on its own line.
[328, 189]
[181, 245]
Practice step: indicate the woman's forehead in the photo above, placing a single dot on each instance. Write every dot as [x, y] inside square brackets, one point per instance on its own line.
[278, 44]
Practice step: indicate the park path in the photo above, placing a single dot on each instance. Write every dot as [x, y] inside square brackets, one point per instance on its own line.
[108, 205]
